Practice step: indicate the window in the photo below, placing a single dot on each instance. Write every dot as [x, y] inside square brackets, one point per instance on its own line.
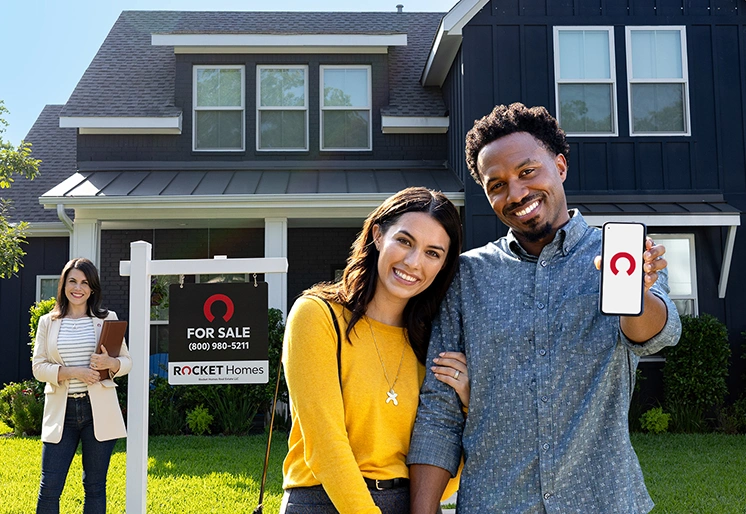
[585, 80]
[282, 108]
[657, 81]
[218, 108]
[682, 270]
[345, 108]
[46, 286]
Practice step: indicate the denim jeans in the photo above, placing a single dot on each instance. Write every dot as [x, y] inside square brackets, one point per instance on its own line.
[314, 500]
[56, 459]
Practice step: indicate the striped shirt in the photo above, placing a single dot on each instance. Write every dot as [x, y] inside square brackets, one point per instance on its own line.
[76, 342]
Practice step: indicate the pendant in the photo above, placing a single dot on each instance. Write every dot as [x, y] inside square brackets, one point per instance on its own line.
[392, 397]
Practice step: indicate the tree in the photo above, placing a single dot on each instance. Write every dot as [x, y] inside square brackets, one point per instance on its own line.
[13, 161]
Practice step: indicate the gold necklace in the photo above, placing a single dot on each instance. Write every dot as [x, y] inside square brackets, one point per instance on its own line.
[390, 394]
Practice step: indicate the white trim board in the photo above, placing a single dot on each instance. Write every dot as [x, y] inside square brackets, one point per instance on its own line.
[279, 43]
[414, 124]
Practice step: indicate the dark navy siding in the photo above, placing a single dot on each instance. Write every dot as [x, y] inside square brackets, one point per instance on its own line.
[44, 256]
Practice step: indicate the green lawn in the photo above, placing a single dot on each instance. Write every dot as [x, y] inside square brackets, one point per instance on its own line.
[694, 473]
[699, 474]
[186, 474]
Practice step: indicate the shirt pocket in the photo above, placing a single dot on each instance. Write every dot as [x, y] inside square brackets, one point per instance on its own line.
[581, 327]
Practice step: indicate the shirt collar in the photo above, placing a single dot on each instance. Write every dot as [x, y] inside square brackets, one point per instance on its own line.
[564, 240]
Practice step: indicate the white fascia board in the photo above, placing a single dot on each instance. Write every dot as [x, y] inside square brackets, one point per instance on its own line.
[273, 43]
[448, 41]
[461, 14]
[47, 229]
[668, 220]
[122, 124]
[274, 50]
[414, 124]
[135, 205]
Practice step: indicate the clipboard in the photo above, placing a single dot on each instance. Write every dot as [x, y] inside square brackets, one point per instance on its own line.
[112, 335]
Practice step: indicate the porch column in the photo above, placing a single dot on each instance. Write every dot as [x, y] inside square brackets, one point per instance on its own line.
[86, 240]
[276, 245]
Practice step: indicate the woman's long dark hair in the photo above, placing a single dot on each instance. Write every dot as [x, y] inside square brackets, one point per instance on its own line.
[357, 286]
[94, 300]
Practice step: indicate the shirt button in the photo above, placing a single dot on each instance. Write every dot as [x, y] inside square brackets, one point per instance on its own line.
[542, 352]
[544, 264]
[544, 398]
[540, 305]
[545, 446]
[547, 496]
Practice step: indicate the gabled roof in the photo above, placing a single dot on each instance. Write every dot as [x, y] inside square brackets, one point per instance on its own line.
[131, 77]
[55, 147]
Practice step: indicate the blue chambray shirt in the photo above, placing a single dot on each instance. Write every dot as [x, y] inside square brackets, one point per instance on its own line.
[551, 382]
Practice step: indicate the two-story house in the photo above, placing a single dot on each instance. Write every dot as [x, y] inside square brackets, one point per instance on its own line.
[274, 134]
[245, 134]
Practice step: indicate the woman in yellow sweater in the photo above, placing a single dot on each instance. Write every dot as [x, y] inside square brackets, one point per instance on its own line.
[354, 387]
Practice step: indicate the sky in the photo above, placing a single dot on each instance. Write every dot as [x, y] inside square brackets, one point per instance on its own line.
[46, 45]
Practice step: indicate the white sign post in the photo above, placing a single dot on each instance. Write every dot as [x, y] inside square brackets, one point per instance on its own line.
[140, 269]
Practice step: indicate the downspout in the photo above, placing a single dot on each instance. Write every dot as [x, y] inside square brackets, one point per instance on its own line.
[64, 218]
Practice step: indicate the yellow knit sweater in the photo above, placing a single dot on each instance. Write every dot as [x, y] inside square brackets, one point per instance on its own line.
[339, 437]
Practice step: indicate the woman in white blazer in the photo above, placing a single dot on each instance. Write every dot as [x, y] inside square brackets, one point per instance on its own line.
[79, 406]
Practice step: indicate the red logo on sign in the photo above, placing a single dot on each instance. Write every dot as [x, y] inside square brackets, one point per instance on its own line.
[207, 309]
[622, 255]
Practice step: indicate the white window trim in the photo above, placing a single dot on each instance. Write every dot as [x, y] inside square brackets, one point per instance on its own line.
[240, 67]
[684, 80]
[611, 80]
[369, 107]
[39, 278]
[281, 108]
[693, 265]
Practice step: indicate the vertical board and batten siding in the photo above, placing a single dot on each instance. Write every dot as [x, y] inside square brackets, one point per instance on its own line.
[44, 256]
[508, 56]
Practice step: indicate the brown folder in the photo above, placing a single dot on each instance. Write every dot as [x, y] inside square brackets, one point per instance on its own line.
[112, 335]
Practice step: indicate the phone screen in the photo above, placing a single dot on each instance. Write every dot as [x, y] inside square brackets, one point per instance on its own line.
[621, 271]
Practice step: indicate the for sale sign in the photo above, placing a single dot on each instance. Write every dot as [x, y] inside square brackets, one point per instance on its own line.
[218, 334]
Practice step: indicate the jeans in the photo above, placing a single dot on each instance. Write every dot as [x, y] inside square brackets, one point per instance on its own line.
[56, 459]
[314, 500]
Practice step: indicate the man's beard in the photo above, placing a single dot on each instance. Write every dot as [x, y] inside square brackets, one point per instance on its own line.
[537, 233]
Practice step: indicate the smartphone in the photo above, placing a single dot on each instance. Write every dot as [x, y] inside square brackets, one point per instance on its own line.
[621, 270]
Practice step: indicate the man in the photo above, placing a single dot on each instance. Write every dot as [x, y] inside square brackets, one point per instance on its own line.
[551, 378]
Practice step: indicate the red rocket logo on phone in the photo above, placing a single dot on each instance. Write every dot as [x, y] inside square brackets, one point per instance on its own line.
[207, 308]
[622, 255]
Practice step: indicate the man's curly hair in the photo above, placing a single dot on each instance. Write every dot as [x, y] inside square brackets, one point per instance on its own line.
[506, 120]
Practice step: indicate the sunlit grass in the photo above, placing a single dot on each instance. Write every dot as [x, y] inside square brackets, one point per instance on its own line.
[685, 473]
[218, 475]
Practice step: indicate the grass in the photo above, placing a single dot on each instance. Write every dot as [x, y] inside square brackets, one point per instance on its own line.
[186, 474]
[685, 474]
[694, 473]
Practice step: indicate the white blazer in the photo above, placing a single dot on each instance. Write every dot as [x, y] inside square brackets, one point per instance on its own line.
[108, 422]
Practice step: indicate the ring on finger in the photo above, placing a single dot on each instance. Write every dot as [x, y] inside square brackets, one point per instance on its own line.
[456, 375]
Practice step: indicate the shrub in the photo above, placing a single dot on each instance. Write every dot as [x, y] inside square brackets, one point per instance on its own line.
[655, 421]
[695, 372]
[38, 310]
[198, 420]
[22, 407]
[166, 410]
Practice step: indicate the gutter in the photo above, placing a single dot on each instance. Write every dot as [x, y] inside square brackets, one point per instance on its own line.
[64, 218]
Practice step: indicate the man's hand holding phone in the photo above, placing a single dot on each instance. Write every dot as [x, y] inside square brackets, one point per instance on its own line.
[653, 262]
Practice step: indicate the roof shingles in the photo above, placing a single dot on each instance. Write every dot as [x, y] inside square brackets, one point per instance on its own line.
[129, 77]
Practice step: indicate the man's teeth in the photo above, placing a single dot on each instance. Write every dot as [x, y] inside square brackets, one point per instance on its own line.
[528, 209]
[401, 274]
